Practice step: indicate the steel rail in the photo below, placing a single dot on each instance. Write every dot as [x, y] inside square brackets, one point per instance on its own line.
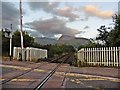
[39, 86]
[9, 79]
[65, 73]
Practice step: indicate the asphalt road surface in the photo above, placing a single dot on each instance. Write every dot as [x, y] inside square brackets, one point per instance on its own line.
[91, 81]
[88, 77]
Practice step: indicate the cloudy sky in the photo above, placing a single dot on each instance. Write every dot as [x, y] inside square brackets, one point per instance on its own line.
[53, 19]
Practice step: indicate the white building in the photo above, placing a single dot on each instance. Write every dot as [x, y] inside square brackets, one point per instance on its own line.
[29, 53]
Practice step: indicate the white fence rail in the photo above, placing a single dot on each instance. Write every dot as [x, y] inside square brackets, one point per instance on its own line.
[105, 56]
[29, 53]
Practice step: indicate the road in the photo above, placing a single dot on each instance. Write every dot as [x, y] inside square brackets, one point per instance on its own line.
[75, 80]
[66, 76]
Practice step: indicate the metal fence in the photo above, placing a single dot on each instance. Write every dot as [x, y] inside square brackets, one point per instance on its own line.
[105, 56]
[29, 53]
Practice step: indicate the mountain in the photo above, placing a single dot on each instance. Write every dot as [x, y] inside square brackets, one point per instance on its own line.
[74, 41]
[45, 41]
[64, 39]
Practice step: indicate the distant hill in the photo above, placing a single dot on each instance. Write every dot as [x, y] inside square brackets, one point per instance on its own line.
[45, 41]
[74, 41]
[64, 39]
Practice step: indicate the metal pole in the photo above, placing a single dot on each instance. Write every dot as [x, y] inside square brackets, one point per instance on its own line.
[21, 28]
[10, 42]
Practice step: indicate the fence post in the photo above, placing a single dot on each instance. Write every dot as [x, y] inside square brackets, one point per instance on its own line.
[84, 53]
[107, 56]
[114, 56]
[93, 56]
[96, 55]
[91, 51]
[111, 56]
[90, 56]
[87, 55]
[102, 55]
[118, 56]
[97, 51]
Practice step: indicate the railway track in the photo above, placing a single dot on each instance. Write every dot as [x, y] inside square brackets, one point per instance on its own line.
[32, 69]
[46, 78]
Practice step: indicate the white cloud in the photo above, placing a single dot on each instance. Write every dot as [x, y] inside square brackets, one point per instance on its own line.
[67, 12]
[95, 11]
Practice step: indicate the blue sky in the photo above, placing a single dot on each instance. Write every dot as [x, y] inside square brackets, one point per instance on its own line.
[80, 19]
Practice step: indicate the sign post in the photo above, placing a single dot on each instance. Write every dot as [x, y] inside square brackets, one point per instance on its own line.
[8, 34]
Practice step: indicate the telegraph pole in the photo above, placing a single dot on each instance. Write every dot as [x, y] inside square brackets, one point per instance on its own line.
[21, 33]
[10, 42]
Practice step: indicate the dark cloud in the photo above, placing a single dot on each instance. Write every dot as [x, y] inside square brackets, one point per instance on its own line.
[46, 6]
[51, 7]
[86, 27]
[10, 15]
[52, 27]
[34, 33]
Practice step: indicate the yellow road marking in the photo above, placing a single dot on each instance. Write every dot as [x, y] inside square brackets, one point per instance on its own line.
[87, 77]
[15, 67]
[60, 73]
[21, 68]
[118, 80]
[39, 70]
[75, 81]
[92, 77]
[1, 79]
[23, 80]
[72, 80]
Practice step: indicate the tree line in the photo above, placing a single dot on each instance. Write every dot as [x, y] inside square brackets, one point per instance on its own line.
[107, 36]
[29, 41]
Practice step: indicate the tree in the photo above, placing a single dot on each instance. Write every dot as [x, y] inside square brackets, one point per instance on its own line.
[16, 39]
[111, 38]
[5, 44]
[114, 34]
[55, 50]
[90, 45]
[28, 40]
[103, 35]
